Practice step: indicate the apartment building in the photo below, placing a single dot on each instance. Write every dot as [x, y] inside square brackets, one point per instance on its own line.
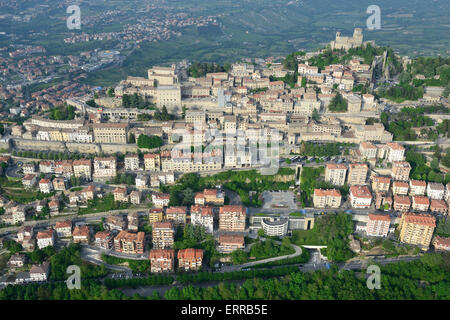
[441, 243]
[360, 197]
[438, 206]
[396, 152]
[105, 167]
[417, 229]
[378, 225]
[335, 174]
[104, 240]
[368, 150]
[435, 190]
[381, 184]
[402, 203]
[131, 162]
[45, 185]
[152, 162]
[120, 194]
[232, 218]
[400, 170]
[127, 242]
[400, 188]
[420, 203]
[63, 229]
[82, 168]
[190, 259]
[202, 216]
[163, 234]
[141, 181]
[45, 238]
[155, 215]
[116, 223]
[228, 243]
[111, 133]
[160, 199]
[162, 260]
[417, 187]
[210, 196]
[81, 234]
[357, 173]
[177, 215]
[330, 198]
[447, 193]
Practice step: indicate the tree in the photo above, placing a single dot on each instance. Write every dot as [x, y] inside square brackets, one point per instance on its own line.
[188, 196]
[338, 104]
[110, 92]
[132, 138]
[149, 142]
[315, 115]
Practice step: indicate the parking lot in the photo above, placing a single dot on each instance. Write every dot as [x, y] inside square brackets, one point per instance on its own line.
[279, 200]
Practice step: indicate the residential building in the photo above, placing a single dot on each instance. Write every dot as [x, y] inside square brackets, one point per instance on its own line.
[360, 197]
[105, 167]
[327, 198]
[152, 162]
[438, 206]
[160, 199]
[127, 242]
[141, 181]
[417, 229]
[135, 197]
[120, 194]
[45, 238]
[63, 229]
[435, 190]
[335, 174]
[357, 173]
[381, 184]
[441, 243]
[402, 203]
[40, 272]
[368, 150]
[133, 221]
[203, 216]
[420, 203]
[45, 185]
[59, 184]
[228, 243]
[163, 235]
[400, 188]
[82, 168]
[117, 222]
[400, 170]
[210, 196]
[417, 187]
[378, 225]
[177, 215]
[190, 259]
[155, 215]
[104, 240]
[131, 162]
[162, 260]
[81, 234]
[232, 218]
[396, 152]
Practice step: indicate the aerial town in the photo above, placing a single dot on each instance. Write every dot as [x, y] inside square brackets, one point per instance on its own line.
[140, 173]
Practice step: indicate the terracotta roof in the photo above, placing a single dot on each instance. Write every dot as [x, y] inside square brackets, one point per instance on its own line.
[163, 225]
[402, 200]
[229, 238]
[381, 179]
[102, 234]
[400, 184]
[332, 166]
[379, 216]
[422, 219]
[360, 192]
[421, 200]
[395, 146]
[327, 192]
[176, 210]
[190, 253]
[81, 231]
[230, 208]
[162, 254]
[438, 204]
[418, 183]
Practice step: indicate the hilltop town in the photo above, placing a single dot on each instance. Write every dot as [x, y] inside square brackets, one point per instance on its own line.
[165, 173]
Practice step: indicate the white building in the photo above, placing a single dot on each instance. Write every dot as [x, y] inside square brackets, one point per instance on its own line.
[45, 238]
[203, 216]
[435, 190]
[275, 228]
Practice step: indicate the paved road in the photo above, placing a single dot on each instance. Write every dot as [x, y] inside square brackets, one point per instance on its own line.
[298, 251]
[93, 256]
